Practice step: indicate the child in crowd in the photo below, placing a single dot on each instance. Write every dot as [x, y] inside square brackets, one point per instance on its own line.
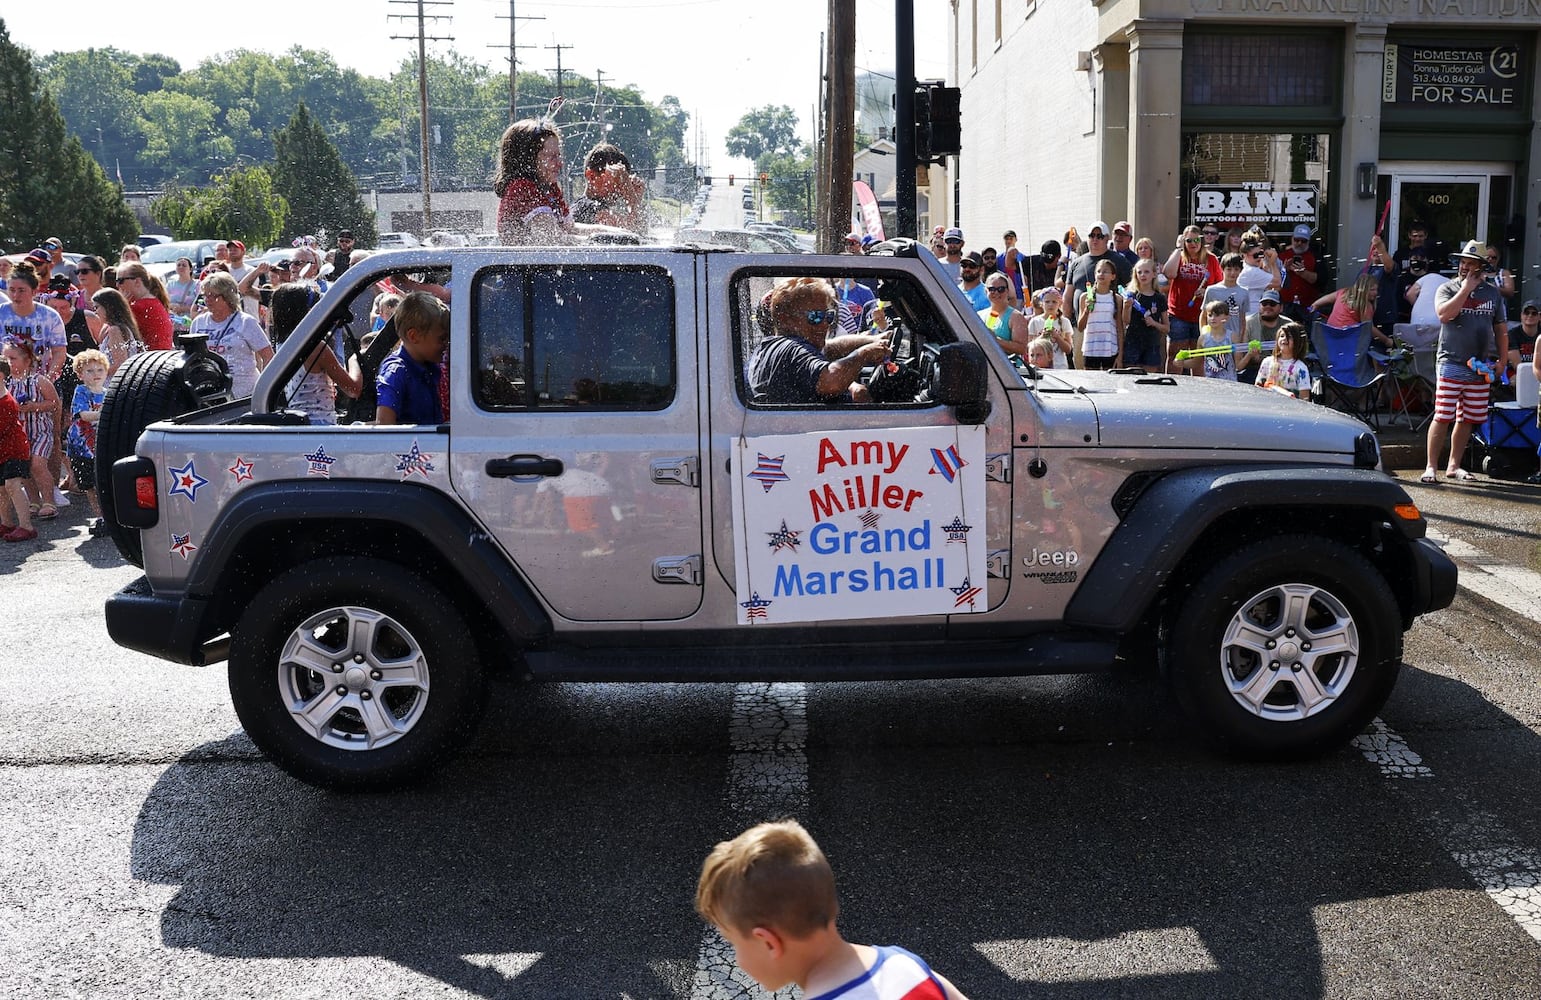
[15, 466]
[85, 410]
[1051, 324]
[1285, 371]
[1145, 319]
[1101, 320]
[408, 383]
[38, 404]
[1214, 334]
[1040, 352]
[1238, 300]
[771, 894]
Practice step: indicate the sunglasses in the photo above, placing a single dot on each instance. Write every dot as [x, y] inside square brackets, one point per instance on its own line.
[1192, 240]
[818, 317]
[969, 267]
[993, 289]
[1530, 312]
[86, 270]
[1211, 232]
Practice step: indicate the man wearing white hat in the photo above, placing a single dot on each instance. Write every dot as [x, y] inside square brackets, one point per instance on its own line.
[1472, 327]
[1084, 271]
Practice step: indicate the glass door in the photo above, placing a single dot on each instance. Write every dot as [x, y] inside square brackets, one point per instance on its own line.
[1455, 201]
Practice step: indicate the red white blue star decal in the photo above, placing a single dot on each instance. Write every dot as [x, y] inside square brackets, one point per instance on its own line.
[182, 545]
[241, 470]
[186, 481]
[415, 460]
[966, 594]
[785, 538]
[756, 607]
[320, 462]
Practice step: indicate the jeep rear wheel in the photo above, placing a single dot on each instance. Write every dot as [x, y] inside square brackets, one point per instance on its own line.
[1286, 648]
[354, 674]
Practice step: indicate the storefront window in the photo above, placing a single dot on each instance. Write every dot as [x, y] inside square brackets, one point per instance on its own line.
[1269, 69]
[1274, 181]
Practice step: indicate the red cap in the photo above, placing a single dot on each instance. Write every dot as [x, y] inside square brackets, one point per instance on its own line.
[237, 245]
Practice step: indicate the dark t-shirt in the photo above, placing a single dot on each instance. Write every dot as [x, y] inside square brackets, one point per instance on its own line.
[787, 370]
[1140, 337]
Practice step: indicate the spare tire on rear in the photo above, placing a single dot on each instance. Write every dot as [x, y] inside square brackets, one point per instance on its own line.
[146, 388]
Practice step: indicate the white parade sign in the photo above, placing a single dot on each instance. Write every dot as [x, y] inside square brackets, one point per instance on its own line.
[862, 524]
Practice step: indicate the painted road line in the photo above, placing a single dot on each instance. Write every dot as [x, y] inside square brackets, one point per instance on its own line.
[1512, 587]
[1134, 955]
[767, 779]
[1493, 857]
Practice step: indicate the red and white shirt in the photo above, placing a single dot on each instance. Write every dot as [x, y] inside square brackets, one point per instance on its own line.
[896, 975]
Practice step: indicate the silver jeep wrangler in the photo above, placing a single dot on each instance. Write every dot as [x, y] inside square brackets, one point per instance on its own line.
[608, 501]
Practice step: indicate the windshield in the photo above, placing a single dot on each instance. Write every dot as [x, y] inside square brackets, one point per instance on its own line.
[167, 253]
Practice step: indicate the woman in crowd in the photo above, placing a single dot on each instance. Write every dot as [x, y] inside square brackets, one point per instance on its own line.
[1145, 249]
[88, 275]
[1190, 270]
[234, 335]
[313, 389]
[120, 339]
[182, 291]
[1497, 275]
[151, 305]
[129, 254]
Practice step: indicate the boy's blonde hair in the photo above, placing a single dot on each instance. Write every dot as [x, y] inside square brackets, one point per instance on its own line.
[772, 875]
[1043, 344]
[89, 357]
[420, 311]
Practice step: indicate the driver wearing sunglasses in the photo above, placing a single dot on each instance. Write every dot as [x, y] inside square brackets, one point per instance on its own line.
[800, 363]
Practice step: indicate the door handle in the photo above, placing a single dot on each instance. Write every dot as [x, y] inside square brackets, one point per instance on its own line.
[520, 466]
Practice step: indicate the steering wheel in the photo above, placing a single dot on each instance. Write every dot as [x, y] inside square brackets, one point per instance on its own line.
[896, 381]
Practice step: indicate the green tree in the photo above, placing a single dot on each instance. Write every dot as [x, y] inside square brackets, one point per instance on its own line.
[240, 203]
[49, 186]
[323, 197]
[97, 94]
[182, 136]
[765, 133]
[791, 183]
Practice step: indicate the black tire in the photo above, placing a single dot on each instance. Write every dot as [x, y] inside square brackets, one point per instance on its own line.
[144, 389]
[425, 713]
[1294, 591]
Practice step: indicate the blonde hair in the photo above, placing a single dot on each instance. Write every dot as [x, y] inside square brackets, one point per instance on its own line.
[89, 357]
[772, 875]
[422, 312]
[1357, 295]
[1044, 344]
[791, 297]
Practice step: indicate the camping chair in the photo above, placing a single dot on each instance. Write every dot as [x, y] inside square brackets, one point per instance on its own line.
[1351, 381]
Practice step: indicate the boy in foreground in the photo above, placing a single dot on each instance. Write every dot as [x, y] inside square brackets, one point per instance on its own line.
[771, 894]
[408, 382]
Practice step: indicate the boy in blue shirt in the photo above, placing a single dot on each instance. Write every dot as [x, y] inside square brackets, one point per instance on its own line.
[408, 384]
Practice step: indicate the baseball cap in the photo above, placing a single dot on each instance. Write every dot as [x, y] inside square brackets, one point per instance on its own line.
[953, 234]
[1099, 224]
[1302, 232]
[1010, 234]
[973, 257]
[345, 234]
[1531, 304]
[1269, 295]
[1123, 226]
[38, 255]
[853, 237]
[236, 245]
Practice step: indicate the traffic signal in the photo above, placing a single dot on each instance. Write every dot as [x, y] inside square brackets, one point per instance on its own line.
[946, 132]
[922, 122]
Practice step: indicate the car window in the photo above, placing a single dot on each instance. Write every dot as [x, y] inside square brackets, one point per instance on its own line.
[563, 338]
[913, 327]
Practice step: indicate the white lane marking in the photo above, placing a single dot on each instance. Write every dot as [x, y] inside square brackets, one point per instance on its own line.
[1396, 759]
[1513, 587]
[767, 779]
[1494, 858]
[1161, 951]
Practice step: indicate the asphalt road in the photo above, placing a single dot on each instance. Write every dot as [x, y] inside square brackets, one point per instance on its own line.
[1047, 837]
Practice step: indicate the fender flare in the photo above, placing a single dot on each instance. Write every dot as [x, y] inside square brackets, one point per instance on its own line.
[1166, 519]
[443, 524]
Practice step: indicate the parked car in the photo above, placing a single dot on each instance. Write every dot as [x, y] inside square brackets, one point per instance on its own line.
[151, 239]
[740, 239]
[397, 241]
[161, 259]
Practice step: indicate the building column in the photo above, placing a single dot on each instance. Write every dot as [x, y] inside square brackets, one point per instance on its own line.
[1112, 67]
[1155, 130]
[1363, 65]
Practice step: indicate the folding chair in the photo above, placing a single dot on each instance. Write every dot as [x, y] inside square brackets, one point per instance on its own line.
[1350, 380]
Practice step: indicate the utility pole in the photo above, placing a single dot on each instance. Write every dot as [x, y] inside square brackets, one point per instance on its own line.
[904, 117]
[559, 70]
[423, 38]
[841, 124]
[513, 57]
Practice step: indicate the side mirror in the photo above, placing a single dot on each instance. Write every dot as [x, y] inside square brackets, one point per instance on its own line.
[962, 381]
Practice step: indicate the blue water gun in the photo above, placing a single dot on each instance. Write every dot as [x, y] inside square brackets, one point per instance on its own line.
[1488, 370]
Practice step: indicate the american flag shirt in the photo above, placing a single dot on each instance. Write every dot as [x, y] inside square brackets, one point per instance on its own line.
[896, 975]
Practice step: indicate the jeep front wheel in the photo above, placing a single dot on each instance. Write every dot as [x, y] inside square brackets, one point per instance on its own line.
[354, 674]
[1286, 648]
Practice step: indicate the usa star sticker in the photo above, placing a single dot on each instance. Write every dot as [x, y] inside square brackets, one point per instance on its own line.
[320, 462]
[241, 470]
[186, 481]
[786, 538]
[182, 545]
[414, 461]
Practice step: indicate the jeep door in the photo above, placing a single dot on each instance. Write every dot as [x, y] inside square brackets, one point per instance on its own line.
[737, 285]
[575, 434]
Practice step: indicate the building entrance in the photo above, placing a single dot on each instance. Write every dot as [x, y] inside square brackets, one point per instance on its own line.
[1457, 201]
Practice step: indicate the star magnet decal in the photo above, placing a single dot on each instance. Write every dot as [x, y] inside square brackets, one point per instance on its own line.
[186, 481]
[241, 470]
[415, 460]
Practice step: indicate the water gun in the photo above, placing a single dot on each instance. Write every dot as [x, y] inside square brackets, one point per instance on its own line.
[1488, 371]
[1204, 352]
